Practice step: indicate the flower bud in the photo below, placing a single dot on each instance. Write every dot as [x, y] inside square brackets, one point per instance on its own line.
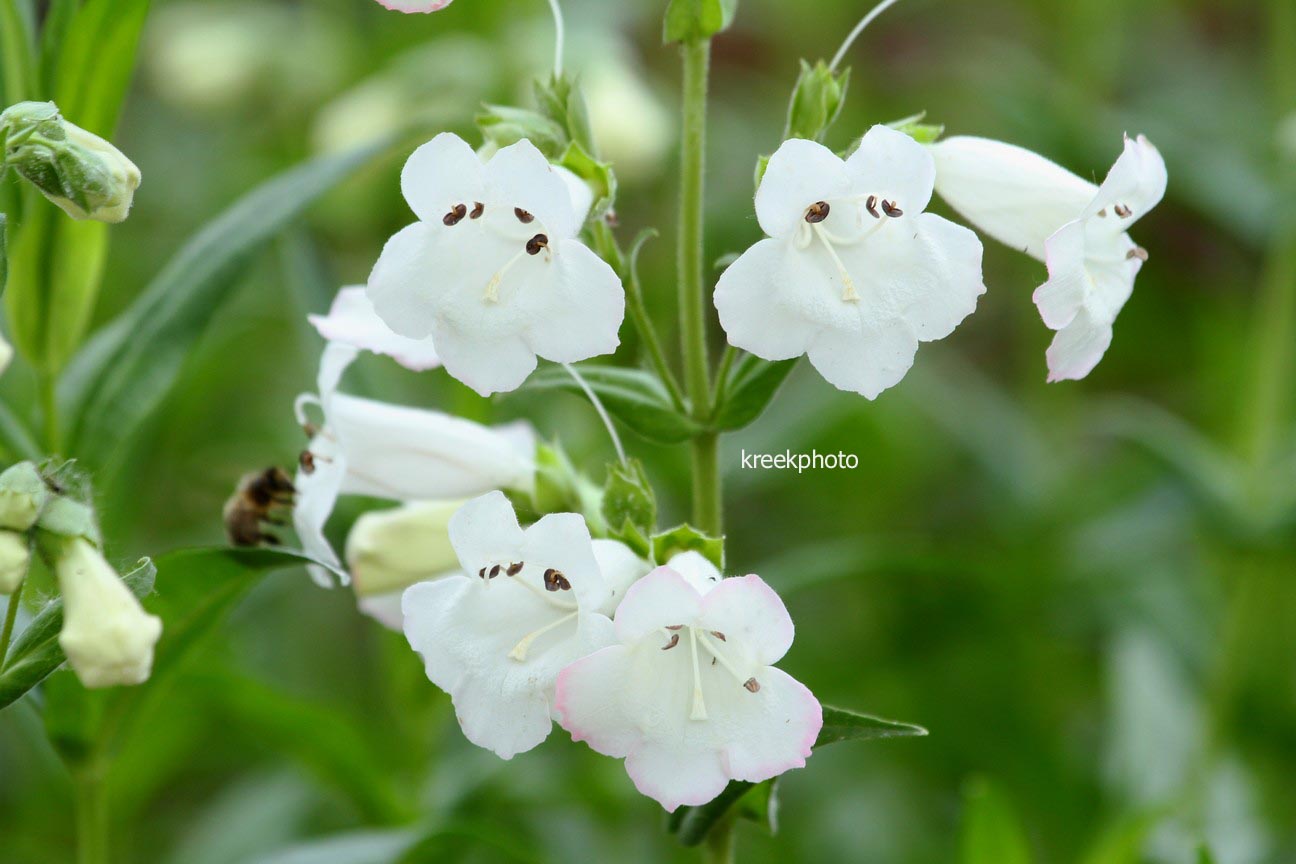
[6, 350]
[84, 175]
[14, 558]
[107, 635]
[817, 99]
[22, 497]
[389, 550]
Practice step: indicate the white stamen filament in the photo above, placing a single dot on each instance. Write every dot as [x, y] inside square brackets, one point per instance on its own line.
[492, 287]
[724, 661]
[850, 294]
[519, 652]
[559, 37]
[859, 28]
[699, 705]
[544, 595]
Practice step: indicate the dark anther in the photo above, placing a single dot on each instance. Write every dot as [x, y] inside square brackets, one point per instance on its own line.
[536, 243]
[514, 569]
[495, 571]
[307, 461]
[456, 214]
[554, 580]
[817, 212]
[871, 206]
[675, 627]
[1102, 213]
[1137, 252]
[719, 635]
[674, 640]
[478, 209]
[891, 210]
[752, 685]
[1122, 211]
[481, 574]
[523, 216]
[310, 429]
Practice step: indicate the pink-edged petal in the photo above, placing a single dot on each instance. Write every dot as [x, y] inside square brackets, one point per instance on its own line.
[487, 367]
[800, 173]
[749, 612]
[520, 176]
[351, 320]
[621, 568]
[1078, 347]
[775, 731]
[757, 303]
[895, 168]
[589, 704]
[867, 361]
[576, 309]
[442, 174]
[676, 776]
[1137, 182]
[485, 532]
[561, 541]
[697, 570]
[414, 6]
[663, 598]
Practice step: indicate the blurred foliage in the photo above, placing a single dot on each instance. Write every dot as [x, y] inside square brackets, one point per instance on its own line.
[1086, 592]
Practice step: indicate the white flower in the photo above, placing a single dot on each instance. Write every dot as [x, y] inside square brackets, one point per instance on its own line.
[351, 320]
[496, 636]
[389, 550]
[366, 447]
[107, 635]
[493, 271]
[854, 273]
[411, 6]
[1078, 229]
[689, 696]
[14, 558]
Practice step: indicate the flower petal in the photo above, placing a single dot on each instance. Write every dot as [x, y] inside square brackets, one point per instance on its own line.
[588, 702]
[505, 721]
[621, 568]
[1016, 196]
[868, 361]
[748, 612]
[1063, 295]
[412, 6]
[773, 732]
[415, 265]
[520, 176]
[485, 532]
[487, 367]
[663, 598]
[352, 320]
[895, 168]
[799, 174]
[1078, 347]
[755, 300]
[1137, 181]
[697, 570]
[442, 174]
[317, 493]
[576, 308]
[676, 776]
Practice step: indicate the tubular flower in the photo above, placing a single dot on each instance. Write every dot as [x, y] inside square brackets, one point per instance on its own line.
[854, 274]
[689, 696]
[1078, 229]
[351, 320]
[496, 636]
[412, 6]
[492, 271]
[107, 635]
[397, 453]
[389, 550]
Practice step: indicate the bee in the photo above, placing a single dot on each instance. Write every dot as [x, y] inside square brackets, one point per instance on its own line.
[256, 501]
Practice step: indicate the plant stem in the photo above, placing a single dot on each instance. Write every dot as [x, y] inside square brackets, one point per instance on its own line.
[91, 814]
[692, 295]
[11, 615]
[720, 845]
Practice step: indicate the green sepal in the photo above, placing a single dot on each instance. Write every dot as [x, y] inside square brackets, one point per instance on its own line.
[689, 20]
[630, 506]
[817, 100]
[503, 125]
[686, 538]
[561, 99]
[561, 488]
[23, 496]
[599, 175]
[923, 133]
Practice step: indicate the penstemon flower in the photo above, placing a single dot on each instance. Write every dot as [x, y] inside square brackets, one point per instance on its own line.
[389, 550]
[854, 273]
[1078, 229]
[412, 6]
[496, 636]
[351, 320]
[492, 271]
[689, 697]
[366, 447]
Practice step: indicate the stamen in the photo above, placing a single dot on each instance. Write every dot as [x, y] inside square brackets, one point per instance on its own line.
[871, 206]
[519, 652]
[817, 212]
[891, 210]
[554, 580]
[1102, 214]
[523, 216]
[478, 209]
[307, 461]
[699, 705]
[674, 640]
[752, 685]
[850, 295]
[724, 661]
[495, 571]
[456, 215]
[481, 574]
[545, 595]
[719, 635]
[514, 569]
[1137, 252]
[536, 243]
[1122, 211]
[492, 287]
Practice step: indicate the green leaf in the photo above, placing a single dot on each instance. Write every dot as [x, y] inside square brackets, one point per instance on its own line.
[96, 61]
[633, 396]
[686, 538]
[356, 847]
[17, 52]
[599, 175]
[817, 100]
[562, 100]
[689, 20]
[36, 652]
[1204, 855]
[992, 831]
[923, 133]
[502, 125]
[630, 505]
[1123, 842]
[843, 725]
[128, 367]
[752, 385]
[4, 255]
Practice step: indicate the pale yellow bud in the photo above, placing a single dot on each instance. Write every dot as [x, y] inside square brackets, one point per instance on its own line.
[14, 560]
[389, 550]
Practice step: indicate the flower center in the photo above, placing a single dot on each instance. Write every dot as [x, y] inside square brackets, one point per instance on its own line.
[708, 640]
[537, 244]
[815, 229]
[554, 584]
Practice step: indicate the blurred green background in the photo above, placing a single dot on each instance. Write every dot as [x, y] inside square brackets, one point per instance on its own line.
[1087, 591]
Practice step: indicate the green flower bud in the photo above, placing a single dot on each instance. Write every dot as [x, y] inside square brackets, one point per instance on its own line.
[14, 559]
[84, 175]
[630, 506]
[817, 99]
[23, 495]
[389, 550]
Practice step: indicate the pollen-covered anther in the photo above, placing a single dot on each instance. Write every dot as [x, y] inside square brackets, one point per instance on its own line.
[523, 216]
[478, 209]
[536, 244]
[1137, 252]
[456, 215]
[751, 685]
[674, 640]
[514, 569]
[817, 212]
[890, 209]
[554, 580]
[307, 462]
[871, 206]
[719, 635]
[1122, 211]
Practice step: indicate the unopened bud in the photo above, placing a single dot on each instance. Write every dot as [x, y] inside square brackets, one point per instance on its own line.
[389, 550]
[77, 170]
[22, 496]
[6, 350]
[107, 635]
[817, 99]
[14, 560]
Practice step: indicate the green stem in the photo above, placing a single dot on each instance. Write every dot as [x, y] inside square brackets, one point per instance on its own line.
[720, 846]
[692, 293]
[722, 378]
[91, 814]
[11, 615]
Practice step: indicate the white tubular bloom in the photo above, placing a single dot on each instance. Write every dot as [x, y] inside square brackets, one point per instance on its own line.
[1078, 229]
[389, 550]
[15, 556]
[107, 635]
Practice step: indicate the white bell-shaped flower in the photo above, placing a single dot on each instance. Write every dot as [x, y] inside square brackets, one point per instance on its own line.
[854, 274]
[496, 636]
[492, 271]
[1078, 229]
[689, 695]
[351, 320]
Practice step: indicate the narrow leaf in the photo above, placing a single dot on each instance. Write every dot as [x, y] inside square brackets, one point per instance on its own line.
[751, 386]
[633, 396]
[843, 725]
[96, 60]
